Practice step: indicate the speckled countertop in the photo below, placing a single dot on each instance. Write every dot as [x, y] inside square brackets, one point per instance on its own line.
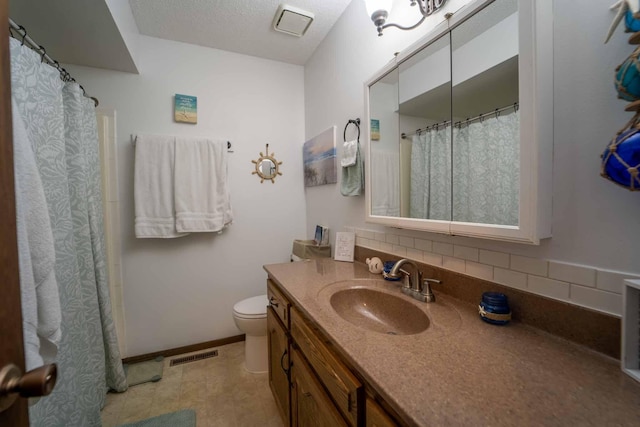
[461, 370]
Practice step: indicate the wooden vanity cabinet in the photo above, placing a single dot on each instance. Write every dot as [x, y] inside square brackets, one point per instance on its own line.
[279, 361]
[279, 350]
[376, 416]
[342, 386]
[310, 404]
[309, 381]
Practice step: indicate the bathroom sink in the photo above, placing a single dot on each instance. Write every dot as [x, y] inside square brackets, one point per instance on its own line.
[379, 311]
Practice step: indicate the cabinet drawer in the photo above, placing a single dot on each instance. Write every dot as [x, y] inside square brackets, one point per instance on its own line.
[278, 302]
[344, 388]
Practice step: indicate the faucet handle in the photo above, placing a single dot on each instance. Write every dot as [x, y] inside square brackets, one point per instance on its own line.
[426, 291]
[406, 277]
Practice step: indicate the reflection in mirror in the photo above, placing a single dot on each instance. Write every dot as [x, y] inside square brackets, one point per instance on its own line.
[425, 149]
[267, 167]
[385, 159]
[486, 135]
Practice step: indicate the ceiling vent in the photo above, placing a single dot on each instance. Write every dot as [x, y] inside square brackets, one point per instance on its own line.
[291, 20]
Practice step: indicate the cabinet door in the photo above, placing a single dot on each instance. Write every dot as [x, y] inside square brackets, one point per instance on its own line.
[310, 405]
[278, 363]
[377, 417]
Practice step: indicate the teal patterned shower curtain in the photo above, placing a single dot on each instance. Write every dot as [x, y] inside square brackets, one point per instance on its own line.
[61, 126]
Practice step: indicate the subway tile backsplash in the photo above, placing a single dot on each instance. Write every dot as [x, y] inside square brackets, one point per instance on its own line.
[586, 286]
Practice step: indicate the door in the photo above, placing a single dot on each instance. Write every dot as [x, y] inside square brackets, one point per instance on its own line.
[11, 346]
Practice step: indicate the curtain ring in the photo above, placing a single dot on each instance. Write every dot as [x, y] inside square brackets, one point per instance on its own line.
[24, 34]
[44, 52]
[515, 107]
[83, 91]
[497, 113]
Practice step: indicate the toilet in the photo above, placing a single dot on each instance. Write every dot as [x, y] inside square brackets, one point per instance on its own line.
[250, 316]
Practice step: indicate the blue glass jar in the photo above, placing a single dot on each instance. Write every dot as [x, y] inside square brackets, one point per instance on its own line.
[494, 308]
[388, 265]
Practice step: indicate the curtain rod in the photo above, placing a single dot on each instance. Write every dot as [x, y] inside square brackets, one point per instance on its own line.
[44, 57]
[482, 116]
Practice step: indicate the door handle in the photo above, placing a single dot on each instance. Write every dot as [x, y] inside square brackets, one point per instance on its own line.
[37, 382]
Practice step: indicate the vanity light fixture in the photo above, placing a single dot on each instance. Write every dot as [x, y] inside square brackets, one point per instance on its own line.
[378, 10]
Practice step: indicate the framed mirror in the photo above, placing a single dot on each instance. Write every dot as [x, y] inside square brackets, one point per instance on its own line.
[465, 123]
[267, 167]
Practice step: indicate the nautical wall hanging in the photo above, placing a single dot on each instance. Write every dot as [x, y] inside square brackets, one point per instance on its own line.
[621, 158]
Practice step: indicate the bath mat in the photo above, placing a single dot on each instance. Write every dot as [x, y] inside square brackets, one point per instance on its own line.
[143, 372]
[184, 418]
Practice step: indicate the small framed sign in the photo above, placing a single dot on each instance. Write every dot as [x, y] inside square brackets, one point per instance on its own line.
[375, 129]
[345, 245]
[186, 109]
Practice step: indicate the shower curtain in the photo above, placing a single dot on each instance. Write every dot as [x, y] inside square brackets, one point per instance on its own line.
[486, 164]
[431, 175]
[61, 126]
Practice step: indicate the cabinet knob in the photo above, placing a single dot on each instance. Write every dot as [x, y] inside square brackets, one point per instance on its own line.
[273, 302]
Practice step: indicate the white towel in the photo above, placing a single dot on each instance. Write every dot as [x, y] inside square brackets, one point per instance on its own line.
[154, 187]
[201, 192]
[385, 183]
[41, 314]
[349, 153]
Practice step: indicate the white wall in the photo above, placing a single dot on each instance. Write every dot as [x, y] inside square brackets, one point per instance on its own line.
[181, 291]
[595, 223]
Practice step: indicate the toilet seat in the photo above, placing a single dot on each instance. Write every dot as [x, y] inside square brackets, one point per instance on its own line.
[252, 308]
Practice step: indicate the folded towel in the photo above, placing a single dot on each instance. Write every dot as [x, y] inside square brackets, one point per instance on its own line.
[201, 192]
[349, 153]
[154, 188]
[352, 183]
[41, 314]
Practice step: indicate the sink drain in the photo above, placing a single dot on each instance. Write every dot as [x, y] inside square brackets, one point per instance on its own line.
[391, 333]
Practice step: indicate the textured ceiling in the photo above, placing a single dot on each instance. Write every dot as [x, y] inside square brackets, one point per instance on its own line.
[242, 26]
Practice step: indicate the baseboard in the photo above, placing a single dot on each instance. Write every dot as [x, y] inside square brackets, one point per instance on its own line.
[186, 349]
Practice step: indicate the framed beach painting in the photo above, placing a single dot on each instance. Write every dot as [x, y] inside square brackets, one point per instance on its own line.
[319, 159]
[186, 109]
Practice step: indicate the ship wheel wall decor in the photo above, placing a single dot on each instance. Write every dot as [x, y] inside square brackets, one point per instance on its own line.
[267, 167]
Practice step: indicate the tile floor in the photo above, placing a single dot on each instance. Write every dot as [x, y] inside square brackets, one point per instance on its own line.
[220, 389]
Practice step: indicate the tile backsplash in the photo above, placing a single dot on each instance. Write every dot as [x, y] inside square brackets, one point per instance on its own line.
[582, 285]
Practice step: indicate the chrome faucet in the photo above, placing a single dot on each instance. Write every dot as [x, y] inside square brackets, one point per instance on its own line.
[413, 285]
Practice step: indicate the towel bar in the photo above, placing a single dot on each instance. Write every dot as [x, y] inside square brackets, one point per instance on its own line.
[134, 139]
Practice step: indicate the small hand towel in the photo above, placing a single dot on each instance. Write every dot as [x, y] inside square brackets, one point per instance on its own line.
[349, 153]
[154, 187]
[352, 183]
[202, 199]
[41, 315]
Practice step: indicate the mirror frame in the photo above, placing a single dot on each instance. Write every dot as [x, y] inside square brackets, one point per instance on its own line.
[535, 67]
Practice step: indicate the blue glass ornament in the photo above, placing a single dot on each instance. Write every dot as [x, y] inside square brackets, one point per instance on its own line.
[627, 80]
[632, 24]
[621, 160]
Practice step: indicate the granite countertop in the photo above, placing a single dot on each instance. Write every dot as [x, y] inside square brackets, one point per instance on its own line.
[461, 370]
